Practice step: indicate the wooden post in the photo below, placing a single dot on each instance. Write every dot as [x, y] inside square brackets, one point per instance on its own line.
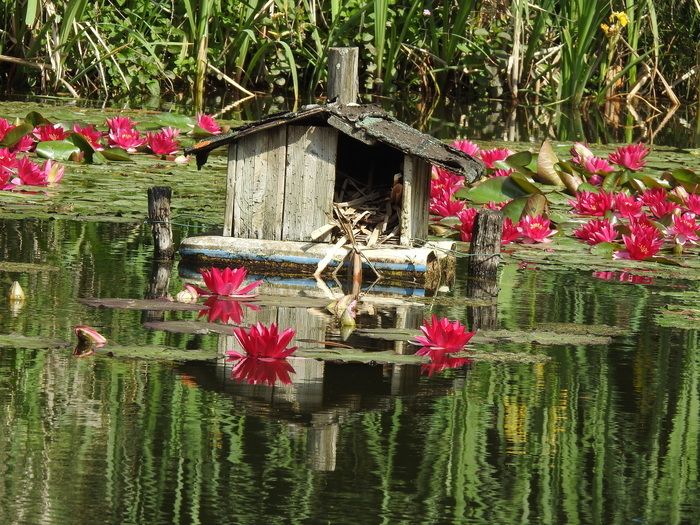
[159, 217]
[485, 248]
[482, 273]
[697, 81]
[343, 82]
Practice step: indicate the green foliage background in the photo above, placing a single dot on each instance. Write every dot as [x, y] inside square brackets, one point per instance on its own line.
[544, 49]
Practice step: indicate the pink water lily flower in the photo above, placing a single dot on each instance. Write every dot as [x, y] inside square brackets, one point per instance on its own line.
[684, 228]
[163, 142]
[47, 132]
[91, 134]
[580, 153]
[466, 146]
[592, 203]
[442, 335]
[8, 159]
[596, 231]
[597, 166]
[643, 242]
[26, 143]
[445, 206]
[627, 205]
[493, 205]
[263, 342]
[227, 282]
[466, 217]
[509, 231]
[692, 202]
[5, 126]
[29, 174]
[630, 157]
[501, 172]
[490, 156]
[116, 124]
[128, 139]
[53, 171]
[656, 199]
[535, 229]
[444, 180]
[87, 332]
[208, 123]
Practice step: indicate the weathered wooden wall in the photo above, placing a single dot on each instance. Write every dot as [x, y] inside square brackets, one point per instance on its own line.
[310, 179]
[280, 183]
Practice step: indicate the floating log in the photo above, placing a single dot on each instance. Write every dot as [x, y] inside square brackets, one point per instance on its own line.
[159, 217]
[296, 258]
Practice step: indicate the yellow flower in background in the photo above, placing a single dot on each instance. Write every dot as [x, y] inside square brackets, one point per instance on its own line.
[619, 17]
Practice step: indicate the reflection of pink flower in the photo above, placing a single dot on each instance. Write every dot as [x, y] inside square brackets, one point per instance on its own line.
[440, 360]
[466, 219]
[208, 123]
[48, 132]
[592, 203]
[643, 242]
[535, 229]
[262, 372]
[128, 139]
[684, 228]
[445, 206]
[120, 123]
[221, 308]
[163, 142]
[53, 171]
[263, 342]
[228, 282]
[692, 201]
[26, 143]
[509, 232]
[442, 335]
[624, 277]
[597, 166]
[630, 156]
[467, 146]
[29, 173]
[490, 156]
[596, 231]
[91, 134]
[627, 205]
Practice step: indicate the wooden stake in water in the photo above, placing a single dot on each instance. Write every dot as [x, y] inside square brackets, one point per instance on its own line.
[159, 217]
[343, 83]
[485, 248]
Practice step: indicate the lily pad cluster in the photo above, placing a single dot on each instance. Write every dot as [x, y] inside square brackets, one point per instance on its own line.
[616, 204]
[36, 136]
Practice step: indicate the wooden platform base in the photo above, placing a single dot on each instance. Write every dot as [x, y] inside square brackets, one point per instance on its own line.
[430, 266]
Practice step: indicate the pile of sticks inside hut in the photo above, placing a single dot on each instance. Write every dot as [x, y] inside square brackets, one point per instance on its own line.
[363, 216]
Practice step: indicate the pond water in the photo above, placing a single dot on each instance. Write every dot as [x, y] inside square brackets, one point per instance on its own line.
[606, 430]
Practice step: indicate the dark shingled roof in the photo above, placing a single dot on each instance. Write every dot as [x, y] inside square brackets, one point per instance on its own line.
[368, 124]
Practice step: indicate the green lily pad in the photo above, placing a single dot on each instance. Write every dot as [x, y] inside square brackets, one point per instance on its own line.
[56, 149]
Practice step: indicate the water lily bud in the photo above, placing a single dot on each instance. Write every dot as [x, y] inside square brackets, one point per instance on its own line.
[188, 295]
[16, 293]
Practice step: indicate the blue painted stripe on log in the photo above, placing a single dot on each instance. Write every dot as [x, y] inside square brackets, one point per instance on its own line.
[295, 259]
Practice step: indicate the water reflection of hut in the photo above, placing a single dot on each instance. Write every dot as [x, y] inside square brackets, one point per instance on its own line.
[289, 173]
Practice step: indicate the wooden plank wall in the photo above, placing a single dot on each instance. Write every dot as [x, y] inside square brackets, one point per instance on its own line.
[308, 193]
[416, 197]
[258, 186]
[230, 188]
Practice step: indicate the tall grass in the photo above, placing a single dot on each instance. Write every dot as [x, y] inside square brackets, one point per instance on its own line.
[554, 49]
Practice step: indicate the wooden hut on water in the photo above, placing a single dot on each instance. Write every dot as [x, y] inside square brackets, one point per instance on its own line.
[316, 184]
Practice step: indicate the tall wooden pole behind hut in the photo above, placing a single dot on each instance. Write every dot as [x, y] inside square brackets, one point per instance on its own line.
[343, 82]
